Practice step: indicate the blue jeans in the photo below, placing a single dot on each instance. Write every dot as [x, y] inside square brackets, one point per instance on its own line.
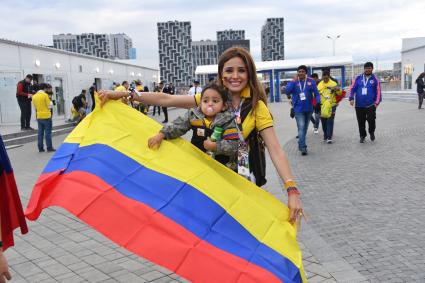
[303, 119]
[328, 125]
[45, 128]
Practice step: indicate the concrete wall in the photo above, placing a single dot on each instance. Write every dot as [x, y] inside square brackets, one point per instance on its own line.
[73, 71]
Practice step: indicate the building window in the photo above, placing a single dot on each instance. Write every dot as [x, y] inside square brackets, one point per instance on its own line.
[408, 71]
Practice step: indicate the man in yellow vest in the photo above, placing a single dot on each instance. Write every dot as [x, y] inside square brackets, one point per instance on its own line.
[43, 105]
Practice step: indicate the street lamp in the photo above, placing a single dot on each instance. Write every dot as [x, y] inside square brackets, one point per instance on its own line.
[333, 42]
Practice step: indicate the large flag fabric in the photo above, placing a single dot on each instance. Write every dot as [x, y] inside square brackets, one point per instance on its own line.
[11, 212]
[175, 206]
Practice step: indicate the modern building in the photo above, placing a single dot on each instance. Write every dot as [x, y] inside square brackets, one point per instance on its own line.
[120, 45]
[99, 45]
[230, 38]
[204, 52]
[412, 61]
[175, 52]
[272, 40]
[68, 73]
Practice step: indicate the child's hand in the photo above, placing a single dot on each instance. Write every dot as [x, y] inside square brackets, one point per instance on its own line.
[155, 141]
[210, 145]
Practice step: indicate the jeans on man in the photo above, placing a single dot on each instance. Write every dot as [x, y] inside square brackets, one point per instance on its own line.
[328, 125]
[154, 110]
[303, 119]
[316, 122]
[366, 114]
[25, 106]
[45, 128]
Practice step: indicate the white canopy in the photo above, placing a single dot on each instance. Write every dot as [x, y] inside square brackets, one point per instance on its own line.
[286, 64]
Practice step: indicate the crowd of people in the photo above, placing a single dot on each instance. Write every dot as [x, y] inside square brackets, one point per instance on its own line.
[309, 95]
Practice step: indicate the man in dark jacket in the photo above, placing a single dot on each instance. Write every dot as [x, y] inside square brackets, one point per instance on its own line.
[420, 86]
[23, 95]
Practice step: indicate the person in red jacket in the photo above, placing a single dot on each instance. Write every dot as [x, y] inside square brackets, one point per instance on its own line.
[23, 94]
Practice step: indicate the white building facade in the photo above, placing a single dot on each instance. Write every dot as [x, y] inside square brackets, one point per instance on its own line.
[412, 61]
[67, 72]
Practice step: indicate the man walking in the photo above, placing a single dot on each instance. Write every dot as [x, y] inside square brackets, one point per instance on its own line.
[365, 94]
[302, 90]
[169, 88]
[23, 95]
[42, 106]
[195, 88]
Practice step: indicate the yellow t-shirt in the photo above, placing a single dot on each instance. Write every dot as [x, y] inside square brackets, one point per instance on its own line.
[325, 92]
[41, 103]
[262, 119]
[120, 88]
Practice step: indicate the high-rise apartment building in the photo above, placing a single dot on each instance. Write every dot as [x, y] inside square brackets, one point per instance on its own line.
[272, 40]
[230, 38]
[175, 52]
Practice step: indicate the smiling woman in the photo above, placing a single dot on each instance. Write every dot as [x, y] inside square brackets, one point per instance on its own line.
[237, 73]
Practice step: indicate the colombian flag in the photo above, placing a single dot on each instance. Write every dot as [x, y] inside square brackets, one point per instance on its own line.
[11, 213]
[174, 206]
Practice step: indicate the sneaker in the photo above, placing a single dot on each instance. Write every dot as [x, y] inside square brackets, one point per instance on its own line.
[329, 141]
[41, 150]
[372, 136]
[304, 151]
[362, 140]
[29, 129]
[165, 121]
[51, 150]
[315, 130]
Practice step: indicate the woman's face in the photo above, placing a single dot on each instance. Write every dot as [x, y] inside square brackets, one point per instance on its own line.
[235, 75]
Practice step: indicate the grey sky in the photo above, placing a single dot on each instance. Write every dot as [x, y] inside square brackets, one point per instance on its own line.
[370, 30]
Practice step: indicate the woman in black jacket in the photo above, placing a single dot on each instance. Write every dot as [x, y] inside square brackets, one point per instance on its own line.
[420, 86]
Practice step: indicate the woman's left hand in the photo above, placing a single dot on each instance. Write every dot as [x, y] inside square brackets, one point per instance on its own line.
[295, 210]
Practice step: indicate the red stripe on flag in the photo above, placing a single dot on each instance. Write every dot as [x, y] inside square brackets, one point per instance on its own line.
[140, 229]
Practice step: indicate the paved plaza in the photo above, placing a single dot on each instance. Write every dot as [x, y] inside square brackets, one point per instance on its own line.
[365, 206]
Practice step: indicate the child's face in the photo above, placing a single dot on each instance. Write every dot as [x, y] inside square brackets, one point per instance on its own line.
[212, 103]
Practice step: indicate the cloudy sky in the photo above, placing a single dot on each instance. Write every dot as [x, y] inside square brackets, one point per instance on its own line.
[370, 30]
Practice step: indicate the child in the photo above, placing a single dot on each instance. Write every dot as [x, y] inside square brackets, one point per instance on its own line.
[202, 120]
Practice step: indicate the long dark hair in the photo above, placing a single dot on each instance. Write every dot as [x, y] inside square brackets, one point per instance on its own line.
[257, 91]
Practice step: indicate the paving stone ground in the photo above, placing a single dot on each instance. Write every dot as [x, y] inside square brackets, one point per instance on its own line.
[365, 207]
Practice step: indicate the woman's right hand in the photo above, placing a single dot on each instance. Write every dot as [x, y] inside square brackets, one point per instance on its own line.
[4, 269]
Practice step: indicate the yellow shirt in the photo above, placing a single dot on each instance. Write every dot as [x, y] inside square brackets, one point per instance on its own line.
[41, 103]
[325, 92]
[120, 88]
[262, 119]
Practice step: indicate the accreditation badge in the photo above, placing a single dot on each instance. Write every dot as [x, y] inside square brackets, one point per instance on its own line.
[364, 91]
[243, 159]
[200, 132]
[302, 96]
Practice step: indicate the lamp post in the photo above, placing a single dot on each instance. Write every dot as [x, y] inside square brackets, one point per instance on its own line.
[333, 42]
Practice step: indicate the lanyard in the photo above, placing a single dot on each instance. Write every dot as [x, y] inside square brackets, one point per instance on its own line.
[365, 83]
[299, 85]
[237, 113]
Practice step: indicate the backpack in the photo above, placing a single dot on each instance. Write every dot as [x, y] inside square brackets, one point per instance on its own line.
[257, 153]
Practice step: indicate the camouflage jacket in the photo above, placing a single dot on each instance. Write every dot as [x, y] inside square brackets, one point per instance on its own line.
[194, 119]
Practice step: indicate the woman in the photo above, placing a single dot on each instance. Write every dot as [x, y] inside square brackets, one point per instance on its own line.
[420, 85]
[237, 73]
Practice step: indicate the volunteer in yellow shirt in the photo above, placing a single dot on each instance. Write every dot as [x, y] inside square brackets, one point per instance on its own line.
[43, 105]
[328, 90]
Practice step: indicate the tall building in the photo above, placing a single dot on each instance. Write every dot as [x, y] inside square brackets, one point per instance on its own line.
[272, 40]
[230, 38]
[175, 52]
[204, 52]
[120, 45]
[99, 45]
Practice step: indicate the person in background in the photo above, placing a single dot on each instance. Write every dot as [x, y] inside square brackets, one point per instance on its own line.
[92, 91]
[42, 106]
[420, 86]
[159, 88]
[302, 90]
[365, 94]
[328, 90]
[195, 89]
[316, 111]
[23, 95]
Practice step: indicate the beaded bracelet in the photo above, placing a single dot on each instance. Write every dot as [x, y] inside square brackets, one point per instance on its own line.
[293, 191]
[289, 184]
